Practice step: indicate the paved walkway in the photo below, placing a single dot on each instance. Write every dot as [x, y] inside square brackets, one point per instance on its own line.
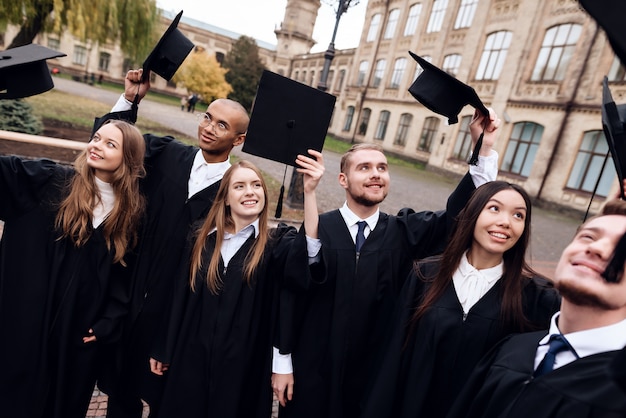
[418, 189]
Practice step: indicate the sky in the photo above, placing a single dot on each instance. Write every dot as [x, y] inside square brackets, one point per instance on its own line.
[259, 18]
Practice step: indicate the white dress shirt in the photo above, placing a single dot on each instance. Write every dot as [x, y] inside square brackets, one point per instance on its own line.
[203, 174]
[471, 284]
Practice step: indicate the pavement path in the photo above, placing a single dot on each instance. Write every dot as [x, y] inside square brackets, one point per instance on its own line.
[418, 189]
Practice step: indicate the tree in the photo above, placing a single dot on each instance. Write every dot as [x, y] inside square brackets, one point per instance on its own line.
[201, 73]
[17, 116]
[132, 22]
[244, 70]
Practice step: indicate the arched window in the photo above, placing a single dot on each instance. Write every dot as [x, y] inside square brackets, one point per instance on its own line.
[392, 22]
[413, 19]
[522, 148]
[365, 120]
[467, 10]
[494, 55]
[588, 166]
[381, 128]
[349, 116]
[403, 129]
[557, 50]
[379, 72]
[436, 16]
[398, 72]
[362, 73]
[463, 145]
[429, 131]
[373, 30]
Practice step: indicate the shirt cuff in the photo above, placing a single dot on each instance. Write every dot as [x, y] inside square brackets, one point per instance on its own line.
[122, 104]
[313, 247]
[281, 363]
[486, 170]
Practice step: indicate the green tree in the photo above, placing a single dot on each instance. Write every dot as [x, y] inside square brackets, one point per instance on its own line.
[17, 116]
[201, 73]
[244, 70]
[131, 22]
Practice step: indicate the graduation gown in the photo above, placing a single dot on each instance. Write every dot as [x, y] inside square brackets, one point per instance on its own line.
[424, 378]
[503, 385]
[342, 321]
[154, 264]
[51, 294]
[219, 347]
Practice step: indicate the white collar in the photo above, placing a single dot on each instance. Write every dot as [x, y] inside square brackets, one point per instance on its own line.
[350, 218]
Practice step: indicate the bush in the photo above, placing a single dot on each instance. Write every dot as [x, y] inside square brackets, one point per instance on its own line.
[17, 116]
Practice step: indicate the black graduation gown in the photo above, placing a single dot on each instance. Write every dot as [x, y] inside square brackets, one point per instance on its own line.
[168, 219]
[617, 369]
[343, 320]
[51, 293]
[424, 379]
[220, 346]
[503, 385]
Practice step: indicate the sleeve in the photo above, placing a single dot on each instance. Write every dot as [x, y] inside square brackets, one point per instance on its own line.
[23, 183]
[540, 302]
[486, 170]
[617, 369]
[155, 146]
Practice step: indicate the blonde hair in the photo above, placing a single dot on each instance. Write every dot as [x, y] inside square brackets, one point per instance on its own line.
[220, 219]
[120, 227]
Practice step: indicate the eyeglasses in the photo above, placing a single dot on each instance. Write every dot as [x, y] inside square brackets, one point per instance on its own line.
[219, 129]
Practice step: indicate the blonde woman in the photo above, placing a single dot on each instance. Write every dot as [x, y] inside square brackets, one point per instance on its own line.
[66, 231]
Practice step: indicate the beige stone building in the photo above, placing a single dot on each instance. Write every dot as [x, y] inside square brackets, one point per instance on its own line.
[539, 64]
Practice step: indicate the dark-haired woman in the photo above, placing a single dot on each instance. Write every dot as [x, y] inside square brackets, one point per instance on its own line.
[217, 354]
[66, 232]
[458, 305]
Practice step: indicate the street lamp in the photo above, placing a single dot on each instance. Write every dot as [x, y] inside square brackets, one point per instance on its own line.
[295, 196]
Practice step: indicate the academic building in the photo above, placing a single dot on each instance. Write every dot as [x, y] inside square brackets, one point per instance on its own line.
[538, 63]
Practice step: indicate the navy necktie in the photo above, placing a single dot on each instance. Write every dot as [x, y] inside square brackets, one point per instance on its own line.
[558, 343]
[360, 235]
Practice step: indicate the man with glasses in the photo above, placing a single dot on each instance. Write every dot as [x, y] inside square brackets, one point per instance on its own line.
[180, 186]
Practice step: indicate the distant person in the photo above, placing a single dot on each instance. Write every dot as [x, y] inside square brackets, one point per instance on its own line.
[63, 294]
[180, 186]
[456, 306]
[565, 372]
[191, 102]
[366, 256]
[183, 103]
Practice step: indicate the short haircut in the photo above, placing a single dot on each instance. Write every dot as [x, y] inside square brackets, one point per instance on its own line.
[345, 159]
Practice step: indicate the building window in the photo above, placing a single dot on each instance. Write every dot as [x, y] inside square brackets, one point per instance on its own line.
[436, 16]
[373, 30]
[379, 72]
[362, 73]
[342, 75]
[349, 115]
[493, 56]
[329, 79]
[53, 43]
[312, 78]
[296, 75]
[413, 19]
[556, 52]
[392, 22]
[463, 145]
[589, 165]
[403, 129]
[431, 125]
[522, 148]
[617, 72]
[451, 64]
[303, 80]
[219, 57]
[80, 55]
[103, 62]
[365, 120]
[398, 72]
[383, 121]
[467, 10]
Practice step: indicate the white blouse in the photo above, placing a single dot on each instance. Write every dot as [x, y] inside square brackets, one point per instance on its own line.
[472, 284]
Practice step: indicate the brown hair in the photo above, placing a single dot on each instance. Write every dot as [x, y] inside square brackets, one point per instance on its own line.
[120, 227]
[345, 158]
[220, 218]
[515, 272]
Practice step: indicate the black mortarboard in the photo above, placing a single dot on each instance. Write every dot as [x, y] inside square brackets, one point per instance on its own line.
[287, 119]
[169, 53]
[610, 16]
[613, 122]
[615, 269]
[443, 94]
[24, 72]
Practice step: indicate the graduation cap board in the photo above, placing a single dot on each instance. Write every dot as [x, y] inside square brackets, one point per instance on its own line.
[614, 125]
[610, 16]
[169, 53]
[24, 72]
[287, 119]
[445, 95]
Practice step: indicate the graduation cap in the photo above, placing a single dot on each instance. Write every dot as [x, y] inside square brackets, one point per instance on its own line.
[615, 269]
[610, 16]
[24, 72]
[614, 125]
[287, 119]
[169, 53]
[443, 94]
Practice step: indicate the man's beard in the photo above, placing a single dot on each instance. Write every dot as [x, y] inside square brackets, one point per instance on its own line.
[582, 297]
[365, 201]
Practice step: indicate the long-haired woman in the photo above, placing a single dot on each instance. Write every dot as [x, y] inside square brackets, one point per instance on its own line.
[223, 324]
[458, 305]
[66, 231]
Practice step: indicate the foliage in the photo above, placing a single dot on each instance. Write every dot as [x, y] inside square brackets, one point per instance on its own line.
[244, 70]
[132, 22]
[17, 116]
[201, 73]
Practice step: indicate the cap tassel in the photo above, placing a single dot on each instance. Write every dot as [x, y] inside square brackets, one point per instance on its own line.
[279, 205]
[474, 159]
[615, 270]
